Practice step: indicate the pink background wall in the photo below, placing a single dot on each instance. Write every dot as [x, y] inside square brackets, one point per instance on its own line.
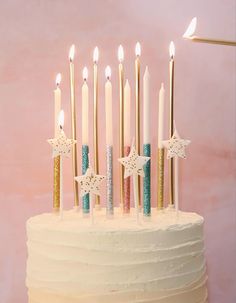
[34, 44]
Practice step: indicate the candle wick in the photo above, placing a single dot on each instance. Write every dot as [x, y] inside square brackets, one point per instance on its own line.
[61, 128]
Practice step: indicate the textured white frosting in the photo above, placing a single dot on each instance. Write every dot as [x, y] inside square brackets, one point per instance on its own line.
[115, 260]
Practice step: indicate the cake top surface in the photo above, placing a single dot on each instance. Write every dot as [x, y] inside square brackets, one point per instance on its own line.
[167, 219]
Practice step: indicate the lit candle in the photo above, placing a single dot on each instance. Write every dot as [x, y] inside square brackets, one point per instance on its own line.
[109, 143]
[126, 205]
[189, 34]
[95, 116]
[137, 108]
[146, 144]
[56, 161]
[171, 161]
[85, 134]
[161, 150]
[73, 124]
[121, 124]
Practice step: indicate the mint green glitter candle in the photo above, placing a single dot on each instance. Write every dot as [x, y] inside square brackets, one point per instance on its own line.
[147, 181]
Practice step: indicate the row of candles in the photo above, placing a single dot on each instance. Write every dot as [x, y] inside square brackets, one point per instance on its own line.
[124, 131]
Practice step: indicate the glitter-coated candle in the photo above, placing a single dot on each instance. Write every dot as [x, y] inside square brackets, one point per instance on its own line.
[161, 150]
[56, 161]
[109, 142]
[146, 144]
[85, 132]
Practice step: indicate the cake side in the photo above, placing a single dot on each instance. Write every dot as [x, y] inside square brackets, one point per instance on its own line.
[161, 260]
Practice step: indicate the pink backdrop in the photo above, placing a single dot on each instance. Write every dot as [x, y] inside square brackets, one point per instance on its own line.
[34, 44]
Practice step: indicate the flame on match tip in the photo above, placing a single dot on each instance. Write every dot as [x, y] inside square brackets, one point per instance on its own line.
[138, 49]
[172, 49]
[58, 79]
[72, 52]
[85, 73]
[95, 54]
[191, 28]
[120, 53]
[108, 72]
[61, 118]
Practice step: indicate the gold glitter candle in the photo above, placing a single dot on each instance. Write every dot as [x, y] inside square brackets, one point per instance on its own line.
[56, 162]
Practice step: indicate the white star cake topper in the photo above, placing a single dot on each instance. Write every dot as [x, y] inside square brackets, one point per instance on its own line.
[90, 182]
[134, 163]
[61, 145]
[176, 146]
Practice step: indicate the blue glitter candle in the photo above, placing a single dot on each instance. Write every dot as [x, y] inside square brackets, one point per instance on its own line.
[85, 165]
[147, 182]
[109, 202]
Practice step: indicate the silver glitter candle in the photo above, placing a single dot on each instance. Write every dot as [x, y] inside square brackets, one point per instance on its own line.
[109, 201]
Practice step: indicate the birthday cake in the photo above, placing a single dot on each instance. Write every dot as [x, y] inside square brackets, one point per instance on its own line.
[160, 260]
[126, 255]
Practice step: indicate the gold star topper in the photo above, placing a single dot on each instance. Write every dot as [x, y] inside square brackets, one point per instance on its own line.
[176, 146]
[61, 145]
[90, 182]
[133, 163]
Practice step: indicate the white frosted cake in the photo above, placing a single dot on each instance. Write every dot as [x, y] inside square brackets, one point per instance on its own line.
[116, 260]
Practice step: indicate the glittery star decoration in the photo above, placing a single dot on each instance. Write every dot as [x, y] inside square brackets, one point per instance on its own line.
[90, 182]
[61, 145]
[133, 163]
[176, 146]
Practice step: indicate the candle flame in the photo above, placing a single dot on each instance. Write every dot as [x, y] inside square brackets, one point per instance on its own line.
[172, 50]
[61, 118]
[95, 55]
[191, 28]
[58, 79]
[108, 72]
[138, 49]
[120, 53]
[85, 73]
[72, 52]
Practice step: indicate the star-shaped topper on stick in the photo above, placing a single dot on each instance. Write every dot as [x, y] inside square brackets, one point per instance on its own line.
[176, 149]
[133, 167]
[176, 146]
[90, 182]
[133, 163]
[61, 145]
